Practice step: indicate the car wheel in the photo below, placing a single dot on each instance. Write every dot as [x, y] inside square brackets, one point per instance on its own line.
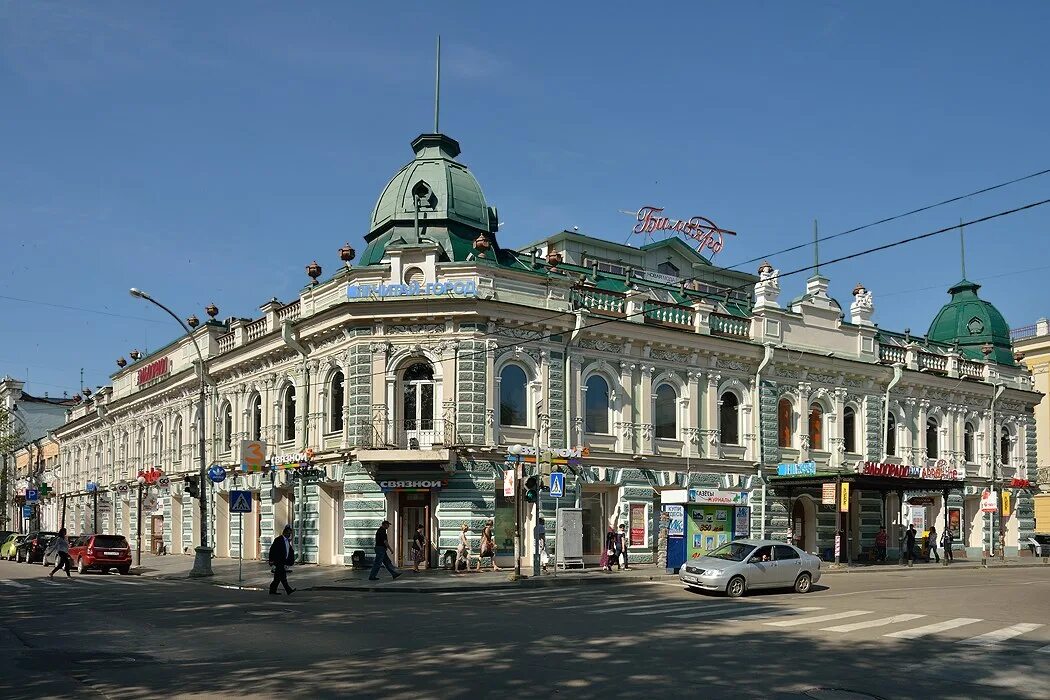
[18, 557]
[80, 566]
[735, 587]
[803, 583]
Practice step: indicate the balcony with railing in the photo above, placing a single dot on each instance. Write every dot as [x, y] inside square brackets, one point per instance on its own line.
[935, 363]
[255, 329]
[226, 342]
[724, 324]
[600, 301]
[668, 314]
[426, 434]
[892, 354]
[289, 312]
[969, 368]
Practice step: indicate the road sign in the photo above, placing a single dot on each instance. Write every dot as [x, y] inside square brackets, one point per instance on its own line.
[557, 489]
[216, 473]
[32, 495]
[240, 501]
[253, 455]
[27, 512]
[92, 487]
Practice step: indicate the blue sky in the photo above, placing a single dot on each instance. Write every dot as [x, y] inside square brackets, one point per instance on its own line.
[209, 151]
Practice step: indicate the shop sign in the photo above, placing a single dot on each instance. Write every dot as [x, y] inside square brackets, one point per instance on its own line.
[508, 483]
[800, 469]
[675, 520]
[154, 370]
[718, 497]
[308, 474]
[989, 502]
[554, 455]
[827, 496]
[1006, 504]
[292, 460]
[935, 470]
[700, 229]
[468, 287]
[844, 499]
[920, 501]
[637, 525]
[412, 485]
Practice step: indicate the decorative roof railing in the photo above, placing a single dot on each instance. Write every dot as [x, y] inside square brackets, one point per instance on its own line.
[723, 324]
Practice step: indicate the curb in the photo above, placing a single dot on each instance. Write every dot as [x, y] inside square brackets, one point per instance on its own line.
[931, 567]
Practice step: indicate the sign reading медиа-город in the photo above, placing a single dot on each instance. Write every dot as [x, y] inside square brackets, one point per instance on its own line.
[413, 289]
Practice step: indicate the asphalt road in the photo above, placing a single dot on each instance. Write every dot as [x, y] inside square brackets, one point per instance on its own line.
[889, 634]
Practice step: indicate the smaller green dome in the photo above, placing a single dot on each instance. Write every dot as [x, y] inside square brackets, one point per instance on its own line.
[971, 322]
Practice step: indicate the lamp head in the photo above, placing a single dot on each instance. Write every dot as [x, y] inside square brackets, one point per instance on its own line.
[138, 293]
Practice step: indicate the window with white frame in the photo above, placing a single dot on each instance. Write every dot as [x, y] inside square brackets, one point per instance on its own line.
[596, 409]
[849, 429]
[968, 441]
[891, 435]
[288, 413]
[513, 396]
[932, 446]
[255, 417]
[335, 402]
[176, 434]
[816, 426]
[227, 428]
[729, 418]
[1004, 445]
[665, 412]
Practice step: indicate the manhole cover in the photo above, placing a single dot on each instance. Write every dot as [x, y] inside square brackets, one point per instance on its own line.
[838, 694]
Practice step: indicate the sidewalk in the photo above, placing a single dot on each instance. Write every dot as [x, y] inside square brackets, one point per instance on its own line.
[256, 575]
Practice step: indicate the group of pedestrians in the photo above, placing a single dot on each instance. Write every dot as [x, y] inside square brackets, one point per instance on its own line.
[911, 551]
[615, 549]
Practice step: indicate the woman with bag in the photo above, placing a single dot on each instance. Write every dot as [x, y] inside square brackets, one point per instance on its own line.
[419, 546]
[610, 550]
[946, 541]
[61, 545]
[463, 550]
[488, 546]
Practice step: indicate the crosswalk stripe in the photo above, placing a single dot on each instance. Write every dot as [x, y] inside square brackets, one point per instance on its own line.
[819, 618]
[990, 638]
[936, 627]
[1043, 650]
[715, 610]
[762, 614]
[892, 620]
[656, 609]
[608, 603]
[631, 609]
[13, 584]
[90, 582]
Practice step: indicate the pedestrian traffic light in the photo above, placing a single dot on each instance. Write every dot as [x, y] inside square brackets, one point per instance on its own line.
[532, 489]
[193, 486]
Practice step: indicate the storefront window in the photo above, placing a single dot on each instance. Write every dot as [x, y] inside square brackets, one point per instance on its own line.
[816, 427]
[849, 430]
[666, 418]
[784, 423]
[729, 419]
[594, 525]
[596, 416]
[503, 524]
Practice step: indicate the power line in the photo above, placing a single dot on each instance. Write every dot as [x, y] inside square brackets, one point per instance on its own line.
[883, 295]
[78, 308]
[894, 217]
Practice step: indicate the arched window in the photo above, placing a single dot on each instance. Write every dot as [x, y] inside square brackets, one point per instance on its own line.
[729, 419]
[159, 435]
[816, 427]
[849, 429]
[335, 403]
[255, 416]
[227, 428]
[931, 438]
[784, 423]
[417, 403]
[1004, 446]
[891, 435]
[288, 413]
[665, 412]
[176, 438]
[968, 433]
[513, 409]
[596, 410]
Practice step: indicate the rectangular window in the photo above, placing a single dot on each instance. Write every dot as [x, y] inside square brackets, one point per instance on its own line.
[639, 535]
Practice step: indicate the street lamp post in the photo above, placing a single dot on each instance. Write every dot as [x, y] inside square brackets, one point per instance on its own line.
[202, 560]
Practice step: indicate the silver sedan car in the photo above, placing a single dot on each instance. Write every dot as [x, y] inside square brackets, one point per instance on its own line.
[744, 565]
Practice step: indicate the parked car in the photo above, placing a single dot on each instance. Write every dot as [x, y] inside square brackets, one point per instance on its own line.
[102, 553]
[31, 549]
[744, 565]
[9, 546]
[1039, 545]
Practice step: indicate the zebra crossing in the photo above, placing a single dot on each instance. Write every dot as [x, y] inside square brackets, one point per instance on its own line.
[91, 582]
[771, 613]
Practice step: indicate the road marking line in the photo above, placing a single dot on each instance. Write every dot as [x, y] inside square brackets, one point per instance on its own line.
[991, 638]
[657, 609]
[892, 620]
[13, 584]
[630, 607]
[89, 581]
[1043, 650]
[762, 614]
[721, 609]
[934, 628]
[819, 618]
[619, 603]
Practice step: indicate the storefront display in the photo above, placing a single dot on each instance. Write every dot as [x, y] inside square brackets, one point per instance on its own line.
[709, 527]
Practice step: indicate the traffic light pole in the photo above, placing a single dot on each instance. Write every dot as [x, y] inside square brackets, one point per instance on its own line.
[536, 519]
[517, 519]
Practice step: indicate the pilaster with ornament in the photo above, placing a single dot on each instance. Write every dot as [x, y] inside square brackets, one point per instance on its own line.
[647, 409]
[627, 438]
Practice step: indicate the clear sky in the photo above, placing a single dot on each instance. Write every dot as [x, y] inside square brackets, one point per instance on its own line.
[207, 152]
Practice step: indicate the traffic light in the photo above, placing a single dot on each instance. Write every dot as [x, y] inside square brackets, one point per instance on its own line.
[532, 489]
[193, 486]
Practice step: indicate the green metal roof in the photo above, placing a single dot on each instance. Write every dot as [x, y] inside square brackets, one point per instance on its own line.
[972, 322]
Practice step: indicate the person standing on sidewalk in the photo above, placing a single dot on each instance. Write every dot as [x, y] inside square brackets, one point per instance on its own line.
[621, 547]
[419, 546]
[931, 545]
[61, 545]
[909, 545]
[880, 544]
[946, 541]
[383, 554]
[281, 556]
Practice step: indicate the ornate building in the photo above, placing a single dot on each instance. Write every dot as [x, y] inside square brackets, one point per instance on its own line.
[407, 378]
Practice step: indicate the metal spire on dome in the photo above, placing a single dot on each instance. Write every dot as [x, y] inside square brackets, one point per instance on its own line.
[437, 87]
[962, 249]
[816, 249]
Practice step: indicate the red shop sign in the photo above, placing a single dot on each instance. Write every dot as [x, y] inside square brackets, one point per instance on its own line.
[154, 370]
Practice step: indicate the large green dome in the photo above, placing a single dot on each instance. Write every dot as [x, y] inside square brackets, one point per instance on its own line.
[971, 322]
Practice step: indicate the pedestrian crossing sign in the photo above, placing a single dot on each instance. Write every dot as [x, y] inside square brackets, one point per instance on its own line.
[557, 487]
[240, 501]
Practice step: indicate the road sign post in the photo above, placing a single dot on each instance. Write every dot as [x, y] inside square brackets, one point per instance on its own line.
[240, 503]
[557, 490]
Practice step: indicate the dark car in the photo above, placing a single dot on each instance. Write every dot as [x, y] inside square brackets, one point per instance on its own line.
[101, 552]
[32, 547]
[1039, 545]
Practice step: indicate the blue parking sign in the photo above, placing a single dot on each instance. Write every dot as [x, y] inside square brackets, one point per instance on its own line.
[32, 495]
[557, 489]
[27, 512]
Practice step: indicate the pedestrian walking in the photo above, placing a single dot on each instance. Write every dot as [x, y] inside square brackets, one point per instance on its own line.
[282, 556]
[541, 542]
[610, 550]
[463, 550]
[946, 541]
[383, 554]
[488, 546]
[61, 545]
[931, 545]
[909, 545]
[419, 546]
[880, 544]
[620, 547]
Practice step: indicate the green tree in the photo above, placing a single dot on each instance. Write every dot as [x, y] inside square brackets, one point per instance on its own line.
[12, 437]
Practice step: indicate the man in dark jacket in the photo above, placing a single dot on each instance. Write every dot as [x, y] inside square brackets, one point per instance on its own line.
[281, 556]
[909, 545]
[383, 552]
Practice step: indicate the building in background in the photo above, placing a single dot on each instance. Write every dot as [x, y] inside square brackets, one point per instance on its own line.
[412, 379]
[1033, 342]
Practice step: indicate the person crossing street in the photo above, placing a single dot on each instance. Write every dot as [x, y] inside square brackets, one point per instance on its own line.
[61, 545]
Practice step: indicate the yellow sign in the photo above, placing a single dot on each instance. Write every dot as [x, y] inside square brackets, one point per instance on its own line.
[253, 455]
[1007, 502]
[844, 498]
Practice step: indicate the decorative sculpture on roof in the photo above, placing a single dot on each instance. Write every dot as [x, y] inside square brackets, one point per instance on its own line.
[862, 308]
[768, 288]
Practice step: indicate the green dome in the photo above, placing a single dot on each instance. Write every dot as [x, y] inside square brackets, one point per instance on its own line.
[971, 322]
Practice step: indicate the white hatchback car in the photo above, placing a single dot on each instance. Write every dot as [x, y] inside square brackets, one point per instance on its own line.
[744, 565]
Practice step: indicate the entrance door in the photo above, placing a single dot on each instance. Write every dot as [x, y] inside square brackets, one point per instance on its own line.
[157, 533]
[798, 524]
[417, 404]
[413, 511]
[594, 524]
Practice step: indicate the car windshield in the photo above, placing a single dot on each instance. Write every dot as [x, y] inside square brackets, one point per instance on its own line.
[1041, 539]
[112, 541]
[734, 551]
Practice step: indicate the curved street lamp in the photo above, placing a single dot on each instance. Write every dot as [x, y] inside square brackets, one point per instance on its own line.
[202, 560]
